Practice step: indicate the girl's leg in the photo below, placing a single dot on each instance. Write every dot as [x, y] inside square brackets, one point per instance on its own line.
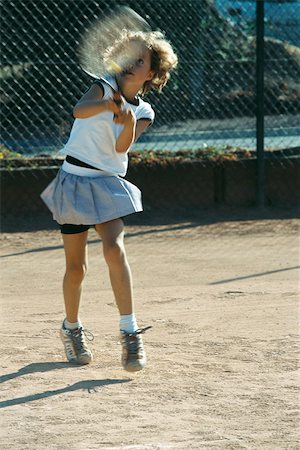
[112, 235]
[72, 333]
[76, 265]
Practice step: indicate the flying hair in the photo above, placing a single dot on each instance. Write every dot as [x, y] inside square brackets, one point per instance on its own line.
[163, 58]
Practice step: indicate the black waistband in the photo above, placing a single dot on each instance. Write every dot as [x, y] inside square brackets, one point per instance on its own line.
[77, 162]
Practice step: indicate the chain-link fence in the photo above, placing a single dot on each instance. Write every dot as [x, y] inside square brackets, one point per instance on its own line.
[210, 102]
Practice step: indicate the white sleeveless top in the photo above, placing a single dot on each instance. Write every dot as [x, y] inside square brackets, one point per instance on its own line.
[92, 140]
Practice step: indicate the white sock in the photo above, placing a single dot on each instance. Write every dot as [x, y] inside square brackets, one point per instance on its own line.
[72, 326]
[128, 323]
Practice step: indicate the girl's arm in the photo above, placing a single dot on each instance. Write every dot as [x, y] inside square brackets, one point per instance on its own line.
[131, 132]
[92, 103]
[141, 126]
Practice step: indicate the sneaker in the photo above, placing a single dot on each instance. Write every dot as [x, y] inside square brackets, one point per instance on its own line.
[133, 353]
[76, 349]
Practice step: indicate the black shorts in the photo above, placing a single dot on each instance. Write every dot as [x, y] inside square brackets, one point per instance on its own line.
[68, 228]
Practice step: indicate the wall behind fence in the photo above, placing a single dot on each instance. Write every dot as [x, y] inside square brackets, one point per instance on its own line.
[175, 186]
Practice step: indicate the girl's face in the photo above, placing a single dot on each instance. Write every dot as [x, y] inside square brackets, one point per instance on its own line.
[138, 70]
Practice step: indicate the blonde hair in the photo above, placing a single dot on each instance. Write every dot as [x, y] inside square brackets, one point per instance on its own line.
[163, 57]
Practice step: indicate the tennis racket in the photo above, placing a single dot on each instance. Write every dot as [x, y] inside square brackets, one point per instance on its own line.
[102, 35]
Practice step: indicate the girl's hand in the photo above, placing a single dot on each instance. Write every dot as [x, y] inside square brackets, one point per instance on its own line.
[115, 104]
[126, 138]
[125, 117]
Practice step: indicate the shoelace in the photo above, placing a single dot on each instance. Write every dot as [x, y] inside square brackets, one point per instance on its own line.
[132, 343]
[140, 331]
[78, 337]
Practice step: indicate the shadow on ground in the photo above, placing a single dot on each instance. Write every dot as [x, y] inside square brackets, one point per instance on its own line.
[10, 224]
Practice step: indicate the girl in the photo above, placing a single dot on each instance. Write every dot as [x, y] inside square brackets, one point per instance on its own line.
[88, 190]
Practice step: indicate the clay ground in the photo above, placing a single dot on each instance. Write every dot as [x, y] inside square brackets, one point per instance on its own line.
[222, 297]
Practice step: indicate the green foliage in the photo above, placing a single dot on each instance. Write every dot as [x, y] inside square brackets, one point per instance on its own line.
[163, 157]
[5, 153]
[11, 160]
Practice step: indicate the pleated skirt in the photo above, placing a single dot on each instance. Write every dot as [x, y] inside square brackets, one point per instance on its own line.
[82, 200]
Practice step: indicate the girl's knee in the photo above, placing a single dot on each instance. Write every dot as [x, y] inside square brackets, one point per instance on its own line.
[114, 253]
[76, 273]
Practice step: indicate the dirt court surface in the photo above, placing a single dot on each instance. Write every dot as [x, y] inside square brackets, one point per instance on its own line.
[222, 297]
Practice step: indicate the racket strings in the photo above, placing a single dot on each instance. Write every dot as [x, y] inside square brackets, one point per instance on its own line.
[103, 48]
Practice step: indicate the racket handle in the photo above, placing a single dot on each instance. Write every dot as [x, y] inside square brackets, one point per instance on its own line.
[117, 98]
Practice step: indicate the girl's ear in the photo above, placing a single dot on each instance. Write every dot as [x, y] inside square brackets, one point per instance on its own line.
[151, 75]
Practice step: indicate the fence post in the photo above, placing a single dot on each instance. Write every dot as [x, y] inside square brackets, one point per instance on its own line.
[260, 177]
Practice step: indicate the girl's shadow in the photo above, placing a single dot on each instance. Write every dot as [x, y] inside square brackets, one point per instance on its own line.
[89, 385]
[36, 367]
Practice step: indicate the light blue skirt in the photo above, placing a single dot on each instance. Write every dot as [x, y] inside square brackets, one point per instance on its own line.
[82, 200]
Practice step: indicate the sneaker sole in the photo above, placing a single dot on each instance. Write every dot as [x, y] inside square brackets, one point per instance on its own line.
[133, 369]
